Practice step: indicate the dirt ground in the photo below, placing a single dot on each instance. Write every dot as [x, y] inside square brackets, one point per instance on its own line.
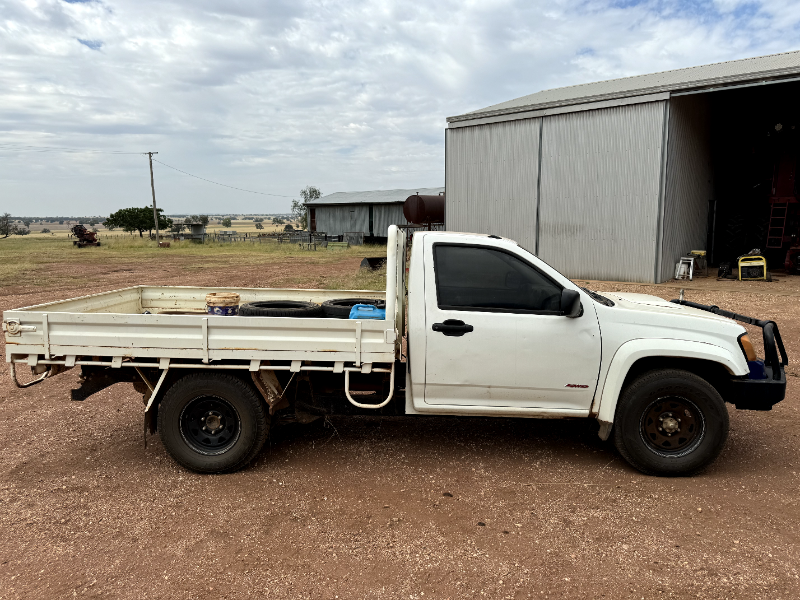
[426, 507]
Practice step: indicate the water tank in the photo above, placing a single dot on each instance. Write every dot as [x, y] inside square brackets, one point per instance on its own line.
[424, 209]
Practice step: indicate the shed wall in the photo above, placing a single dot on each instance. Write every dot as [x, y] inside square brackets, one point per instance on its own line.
[384, 215]
[336, 220]
[601, 182]
[492, 176]
[689, 181]
[343, 218]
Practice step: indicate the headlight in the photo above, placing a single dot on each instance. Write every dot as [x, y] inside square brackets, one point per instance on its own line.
[747, 347]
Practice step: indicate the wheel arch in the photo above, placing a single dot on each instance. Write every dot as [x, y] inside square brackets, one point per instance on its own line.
[713, 363]
[175, 375]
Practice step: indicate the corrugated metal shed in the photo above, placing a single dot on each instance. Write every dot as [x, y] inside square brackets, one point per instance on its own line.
[370, 212]
[760, 68]
[373, 197]
[607, 180]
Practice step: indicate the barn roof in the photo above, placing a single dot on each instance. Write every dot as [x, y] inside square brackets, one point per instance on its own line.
[373, 197]
[724, 74]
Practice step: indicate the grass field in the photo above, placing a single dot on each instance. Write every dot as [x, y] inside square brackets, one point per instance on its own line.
[61, 231]
[48, 260]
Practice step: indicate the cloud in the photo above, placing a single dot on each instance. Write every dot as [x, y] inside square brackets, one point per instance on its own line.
[91, 44]
[276, 95]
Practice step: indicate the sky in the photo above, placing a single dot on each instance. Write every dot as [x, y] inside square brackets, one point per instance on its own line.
[274, 95]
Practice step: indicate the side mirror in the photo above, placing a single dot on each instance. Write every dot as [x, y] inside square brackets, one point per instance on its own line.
[571, 304]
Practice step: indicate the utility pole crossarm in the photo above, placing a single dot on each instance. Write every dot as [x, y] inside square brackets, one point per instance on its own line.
[153, 188]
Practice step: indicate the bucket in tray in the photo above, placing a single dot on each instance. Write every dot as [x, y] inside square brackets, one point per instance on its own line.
[222, 304]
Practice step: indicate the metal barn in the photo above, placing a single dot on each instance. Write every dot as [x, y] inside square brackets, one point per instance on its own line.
[369, 213]
[617, 179]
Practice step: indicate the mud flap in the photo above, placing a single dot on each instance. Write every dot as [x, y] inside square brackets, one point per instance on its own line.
[605, 430]
[150, 423]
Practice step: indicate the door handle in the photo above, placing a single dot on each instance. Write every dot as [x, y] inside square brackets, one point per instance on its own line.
[452, 327]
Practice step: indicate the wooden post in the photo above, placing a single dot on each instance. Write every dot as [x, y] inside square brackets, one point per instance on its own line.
[153, 188]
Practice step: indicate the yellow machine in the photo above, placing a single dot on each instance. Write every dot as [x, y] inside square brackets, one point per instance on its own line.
[749, 268]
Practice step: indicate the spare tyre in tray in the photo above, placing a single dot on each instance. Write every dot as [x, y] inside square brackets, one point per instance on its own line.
[280, 308]
[339, 308]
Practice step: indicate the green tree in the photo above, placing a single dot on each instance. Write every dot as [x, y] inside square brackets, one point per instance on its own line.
[45, 230]
[138, 219]
[288, 228]
[299, 210]
[5, 225]
[258, 220]
[26, 222]
[259, 225]
[203, 219]
[226, 222]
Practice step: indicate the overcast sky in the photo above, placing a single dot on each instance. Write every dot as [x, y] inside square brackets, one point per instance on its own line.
[274, 95]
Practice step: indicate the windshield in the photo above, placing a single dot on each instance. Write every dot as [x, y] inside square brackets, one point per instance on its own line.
[598, 298]
[593, 295]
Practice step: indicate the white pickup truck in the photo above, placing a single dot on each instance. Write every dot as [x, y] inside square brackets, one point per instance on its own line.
[492, 331]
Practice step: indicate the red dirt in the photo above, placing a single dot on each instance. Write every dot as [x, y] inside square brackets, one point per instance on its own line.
[428, 507]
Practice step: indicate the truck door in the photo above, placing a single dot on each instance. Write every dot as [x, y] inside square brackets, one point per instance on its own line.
[495, 336]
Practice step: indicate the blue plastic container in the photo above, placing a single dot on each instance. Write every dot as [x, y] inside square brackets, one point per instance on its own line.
[757, 370]
[367, 311]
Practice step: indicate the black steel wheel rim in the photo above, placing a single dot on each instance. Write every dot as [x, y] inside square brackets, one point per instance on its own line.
[210, 425]
[672, 426]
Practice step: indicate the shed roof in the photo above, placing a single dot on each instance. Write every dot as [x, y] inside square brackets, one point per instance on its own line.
[373, 197]
[760, 68]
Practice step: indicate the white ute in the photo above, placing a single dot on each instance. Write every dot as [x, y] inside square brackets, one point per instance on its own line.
[492, 331]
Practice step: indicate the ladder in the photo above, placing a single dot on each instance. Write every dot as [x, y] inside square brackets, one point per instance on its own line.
[777, 224]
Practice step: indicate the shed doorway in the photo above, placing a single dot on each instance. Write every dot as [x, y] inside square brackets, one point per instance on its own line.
[732, 159]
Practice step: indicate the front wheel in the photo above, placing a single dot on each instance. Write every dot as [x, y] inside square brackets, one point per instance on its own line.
[670, 422]
[213, 423]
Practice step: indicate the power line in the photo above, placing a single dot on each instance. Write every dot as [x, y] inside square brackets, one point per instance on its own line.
[29, 148]
[217, 183]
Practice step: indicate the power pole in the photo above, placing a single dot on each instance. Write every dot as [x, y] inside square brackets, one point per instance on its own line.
[153, 187]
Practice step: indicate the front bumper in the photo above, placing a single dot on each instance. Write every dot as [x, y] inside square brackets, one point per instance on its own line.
[769, 388]
[757, 394]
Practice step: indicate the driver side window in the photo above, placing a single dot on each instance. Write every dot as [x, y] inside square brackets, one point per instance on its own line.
[490, 280]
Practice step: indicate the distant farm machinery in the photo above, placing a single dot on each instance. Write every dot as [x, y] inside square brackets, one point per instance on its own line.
[84, 237]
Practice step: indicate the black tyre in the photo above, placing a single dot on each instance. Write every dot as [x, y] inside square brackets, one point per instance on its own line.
[280, 308]
[670, 422]
[340, 307]
[213, 423]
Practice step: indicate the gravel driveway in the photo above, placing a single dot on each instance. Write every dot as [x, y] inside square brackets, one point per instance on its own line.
[427, 507]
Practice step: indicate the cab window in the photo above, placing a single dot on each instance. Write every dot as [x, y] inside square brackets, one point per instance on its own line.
[487, 279]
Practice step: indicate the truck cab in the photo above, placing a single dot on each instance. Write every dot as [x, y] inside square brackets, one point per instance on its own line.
[493, 330]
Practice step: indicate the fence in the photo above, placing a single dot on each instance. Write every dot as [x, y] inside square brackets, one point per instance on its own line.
[354, 238]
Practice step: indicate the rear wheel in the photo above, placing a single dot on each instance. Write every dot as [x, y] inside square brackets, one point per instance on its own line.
[670, 422]
[213, 423]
